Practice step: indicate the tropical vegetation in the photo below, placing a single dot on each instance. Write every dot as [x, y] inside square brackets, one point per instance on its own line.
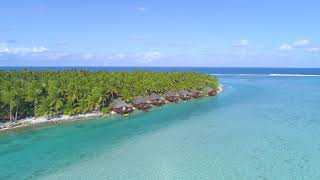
[52, 93]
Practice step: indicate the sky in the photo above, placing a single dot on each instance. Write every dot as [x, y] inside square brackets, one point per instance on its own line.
[205, 33]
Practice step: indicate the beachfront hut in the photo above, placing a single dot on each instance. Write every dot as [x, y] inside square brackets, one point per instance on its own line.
[196, 93]
[156, 99]
[185, 95]
[172, 96]
[210, 91]
[121, 107]
[142, 103]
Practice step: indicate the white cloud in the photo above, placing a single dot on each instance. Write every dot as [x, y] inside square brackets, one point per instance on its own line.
[118, 56]
[142, 57]
[242, 43]
[141, 9]
[88, 56]
[40, 49]
[151, 56]
[140, 37]
[295, 44]
[180, 44]
[5, 48]
[54, 55]
[286, 47]
[313, 50]
[300, 43]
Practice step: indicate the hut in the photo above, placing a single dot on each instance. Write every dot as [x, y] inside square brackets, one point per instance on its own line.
[185, 95]
[172, 96]
[121, 107]
[142, 103]
[196, 93]
[210, 91]
[156, 99]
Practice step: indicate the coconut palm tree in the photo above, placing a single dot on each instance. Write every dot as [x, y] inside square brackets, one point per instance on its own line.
[39, 93]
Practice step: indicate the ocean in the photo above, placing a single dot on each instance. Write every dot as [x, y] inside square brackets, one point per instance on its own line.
[265, 125]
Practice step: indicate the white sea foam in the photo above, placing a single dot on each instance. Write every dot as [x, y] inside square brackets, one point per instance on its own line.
[280, 75]
[303, 75]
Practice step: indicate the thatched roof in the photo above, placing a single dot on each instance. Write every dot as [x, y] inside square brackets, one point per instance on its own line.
[208, 89]
[118, 103]
[140, 100]
[195, 91]
[184, 93]
[171, 94]
[154, 96]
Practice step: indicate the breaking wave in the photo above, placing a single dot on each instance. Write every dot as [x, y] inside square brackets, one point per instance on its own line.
[279, 75]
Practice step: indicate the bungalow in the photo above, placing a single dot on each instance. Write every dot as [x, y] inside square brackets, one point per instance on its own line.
[142, 103]
[196, 93]
[121, 107]
[210, 91]
[172, 96]
[185, 95]
[156, 99]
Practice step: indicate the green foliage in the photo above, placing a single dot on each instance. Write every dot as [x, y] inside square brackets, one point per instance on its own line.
[106, 110]
[52, 93]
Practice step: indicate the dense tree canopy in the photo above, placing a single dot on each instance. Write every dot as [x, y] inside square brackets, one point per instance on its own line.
[51, 93]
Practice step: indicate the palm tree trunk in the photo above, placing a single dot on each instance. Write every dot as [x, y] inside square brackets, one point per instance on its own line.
[103, 103]
[34, 108]
[57, 113]
[17, 109]
[10, 113]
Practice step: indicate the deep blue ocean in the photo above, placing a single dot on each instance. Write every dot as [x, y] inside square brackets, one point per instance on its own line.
[206, 70]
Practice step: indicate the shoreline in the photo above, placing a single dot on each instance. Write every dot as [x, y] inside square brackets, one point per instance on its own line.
[33, 121]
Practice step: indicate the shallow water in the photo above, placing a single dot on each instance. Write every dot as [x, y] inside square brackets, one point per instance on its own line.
[259, 128]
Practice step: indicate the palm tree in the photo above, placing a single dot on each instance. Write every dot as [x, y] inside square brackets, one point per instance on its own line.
[54, 95]
[8, 97]
[49, 93]
[33, 95]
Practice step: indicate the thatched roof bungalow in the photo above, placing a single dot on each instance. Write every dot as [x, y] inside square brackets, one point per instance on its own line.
[196, 93]
[210, 91]
[142, 103]
[172, 96]
[156, 99]
[185, 95]
[121, 107]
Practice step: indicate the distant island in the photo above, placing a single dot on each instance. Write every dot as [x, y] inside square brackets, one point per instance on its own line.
[39, 96]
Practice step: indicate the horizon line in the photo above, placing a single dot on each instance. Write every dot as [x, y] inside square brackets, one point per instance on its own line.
[158, 67]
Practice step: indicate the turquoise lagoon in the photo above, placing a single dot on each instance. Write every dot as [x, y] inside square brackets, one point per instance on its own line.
[261, 127]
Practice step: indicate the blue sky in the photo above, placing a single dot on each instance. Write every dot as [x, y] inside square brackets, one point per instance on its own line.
[210, 33]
